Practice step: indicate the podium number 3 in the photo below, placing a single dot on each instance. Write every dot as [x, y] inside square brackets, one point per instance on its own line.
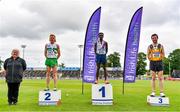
[160, 100]
[103, 91]
[48, 95]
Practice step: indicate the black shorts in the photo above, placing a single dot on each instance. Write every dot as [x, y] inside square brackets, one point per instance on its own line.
[156, 66]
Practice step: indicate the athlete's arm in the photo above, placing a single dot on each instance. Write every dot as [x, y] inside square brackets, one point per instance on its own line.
[95, 47]
[45, 51]
[162, 52]
[148, 53]
[106, 47]
[59, 53]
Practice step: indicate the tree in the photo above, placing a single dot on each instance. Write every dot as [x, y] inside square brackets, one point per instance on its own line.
[141, 64]
[166, 65]
[113, 60]
[174, 58]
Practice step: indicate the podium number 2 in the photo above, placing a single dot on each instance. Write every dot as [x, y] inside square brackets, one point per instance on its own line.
[47, 96]
[103, 91]
[160, 100]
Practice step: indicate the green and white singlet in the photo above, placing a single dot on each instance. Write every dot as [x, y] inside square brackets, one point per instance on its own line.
[52, 53]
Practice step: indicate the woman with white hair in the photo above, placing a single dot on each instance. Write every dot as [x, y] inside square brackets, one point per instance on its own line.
[14, 68]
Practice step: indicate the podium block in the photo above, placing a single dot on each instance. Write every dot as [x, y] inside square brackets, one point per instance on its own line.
[50, 97]
[102, 94]
[158, 101]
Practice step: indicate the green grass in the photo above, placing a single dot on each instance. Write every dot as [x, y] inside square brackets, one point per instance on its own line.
[134, 98]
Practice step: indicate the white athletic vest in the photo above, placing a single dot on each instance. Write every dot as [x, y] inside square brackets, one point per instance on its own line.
[101, 48]
[52, 50]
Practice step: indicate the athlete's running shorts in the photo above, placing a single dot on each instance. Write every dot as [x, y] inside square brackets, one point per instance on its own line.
[156, 66]
[101, 58]
[51, 62]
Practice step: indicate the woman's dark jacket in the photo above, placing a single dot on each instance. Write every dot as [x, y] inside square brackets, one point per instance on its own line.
[14, 69]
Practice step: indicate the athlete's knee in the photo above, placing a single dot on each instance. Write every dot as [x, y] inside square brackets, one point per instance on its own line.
[54, 73]
[153, 78]
[98, 68]
[48, 75]
[104, 67]
[55, 77]
[160, 78]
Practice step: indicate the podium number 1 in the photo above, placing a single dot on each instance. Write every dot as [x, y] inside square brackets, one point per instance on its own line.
[48, 95]
[103, 91]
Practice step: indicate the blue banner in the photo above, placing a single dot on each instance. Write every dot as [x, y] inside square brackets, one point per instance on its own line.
[89, 58]
[132, 47]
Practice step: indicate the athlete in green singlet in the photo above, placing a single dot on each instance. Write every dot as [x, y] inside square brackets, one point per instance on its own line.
[52, 54]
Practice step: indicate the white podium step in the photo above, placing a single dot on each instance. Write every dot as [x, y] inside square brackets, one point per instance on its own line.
[102, 94]
[158, 101]
[50, 97]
